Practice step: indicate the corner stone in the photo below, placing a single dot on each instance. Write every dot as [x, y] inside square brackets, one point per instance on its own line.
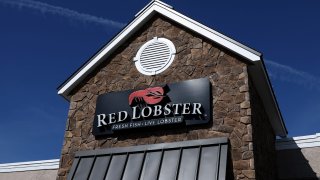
[245, 105]
[244, 88]
[242, 164]
[245, 120]
[249, 173]
[247, 155]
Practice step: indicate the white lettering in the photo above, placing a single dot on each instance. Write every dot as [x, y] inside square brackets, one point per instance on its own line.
[144, 110]
[125, 115]
[134, 113]
[157, 110]
[147, 111]
[176, 108]
[112, 118]
[186, 108]
[196, 107]
[167, 110]
[101, 118]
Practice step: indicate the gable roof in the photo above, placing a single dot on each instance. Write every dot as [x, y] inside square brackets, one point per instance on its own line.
[260, 78]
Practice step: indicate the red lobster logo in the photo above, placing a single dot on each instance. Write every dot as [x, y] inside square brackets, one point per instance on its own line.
[149, 96]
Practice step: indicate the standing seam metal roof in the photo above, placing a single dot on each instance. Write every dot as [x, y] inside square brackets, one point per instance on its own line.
[198, 159]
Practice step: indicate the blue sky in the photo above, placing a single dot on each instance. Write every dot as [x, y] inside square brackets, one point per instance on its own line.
[43, 42]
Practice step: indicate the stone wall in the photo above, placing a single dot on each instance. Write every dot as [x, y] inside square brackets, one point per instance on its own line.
[263, 145]
[196, 57]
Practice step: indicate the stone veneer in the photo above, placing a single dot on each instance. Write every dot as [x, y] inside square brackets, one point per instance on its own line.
[196, 57]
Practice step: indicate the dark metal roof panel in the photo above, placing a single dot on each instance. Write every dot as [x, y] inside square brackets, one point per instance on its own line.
[198, 159]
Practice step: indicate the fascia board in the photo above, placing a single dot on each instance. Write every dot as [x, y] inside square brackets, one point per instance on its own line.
[122, 36]
[209, 33]
[135, 24]
[29, 166]
[298, 142]
[281, 129]
[261, 82]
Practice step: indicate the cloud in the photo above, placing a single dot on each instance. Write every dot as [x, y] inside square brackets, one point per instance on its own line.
[288, 74]
[64, 12]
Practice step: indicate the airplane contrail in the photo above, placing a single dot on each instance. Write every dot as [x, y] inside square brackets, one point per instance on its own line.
[289, 74]
[64, 12]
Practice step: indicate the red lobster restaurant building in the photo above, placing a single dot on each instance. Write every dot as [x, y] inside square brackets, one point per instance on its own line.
[169, 98]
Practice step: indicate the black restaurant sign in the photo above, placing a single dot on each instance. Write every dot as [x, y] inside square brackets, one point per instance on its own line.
[179, 104]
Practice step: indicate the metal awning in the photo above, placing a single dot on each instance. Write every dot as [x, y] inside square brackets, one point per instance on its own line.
[188, 160]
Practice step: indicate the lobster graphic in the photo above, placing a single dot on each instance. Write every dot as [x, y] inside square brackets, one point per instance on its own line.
[149, 96]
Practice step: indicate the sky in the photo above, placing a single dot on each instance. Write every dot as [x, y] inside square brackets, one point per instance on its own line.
[43, 42]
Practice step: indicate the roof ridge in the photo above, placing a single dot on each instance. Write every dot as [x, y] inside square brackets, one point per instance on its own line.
[152, 3]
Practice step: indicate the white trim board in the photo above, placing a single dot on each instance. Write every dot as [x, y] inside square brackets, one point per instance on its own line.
[30, 166]
[298, 142]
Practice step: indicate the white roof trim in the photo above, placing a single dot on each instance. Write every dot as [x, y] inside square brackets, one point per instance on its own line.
[261, 82]
[160, 2]
[209, 33]
[298, 142]
[29, 166]
[166, 10]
